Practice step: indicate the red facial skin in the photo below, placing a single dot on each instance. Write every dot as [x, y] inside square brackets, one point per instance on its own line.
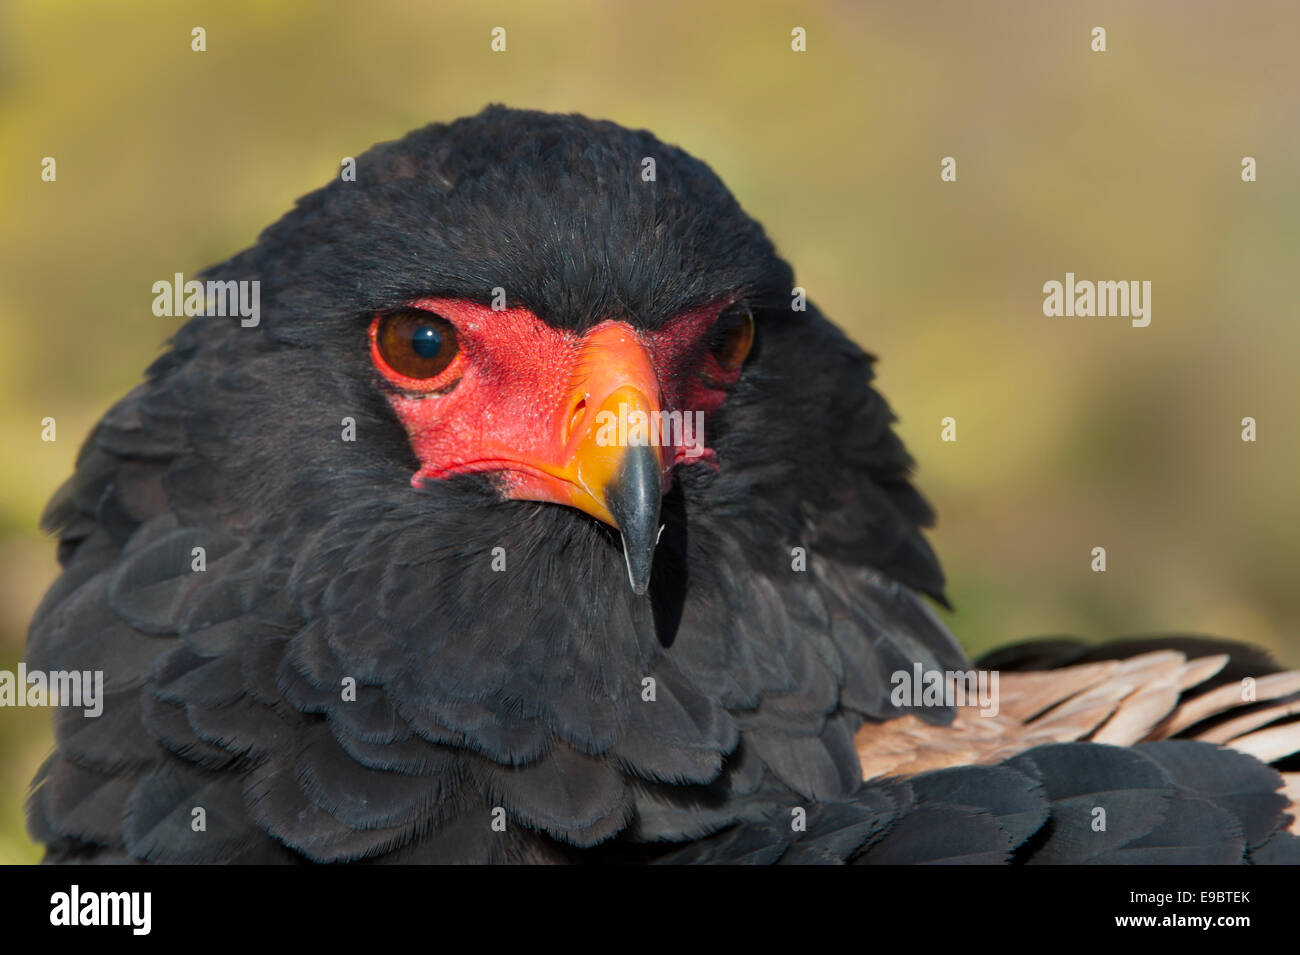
[520, 398]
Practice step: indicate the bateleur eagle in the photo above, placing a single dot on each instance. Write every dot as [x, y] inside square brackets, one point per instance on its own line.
[380, 578]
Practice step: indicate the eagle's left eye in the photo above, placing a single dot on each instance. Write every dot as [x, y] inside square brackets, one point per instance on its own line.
[731, 337]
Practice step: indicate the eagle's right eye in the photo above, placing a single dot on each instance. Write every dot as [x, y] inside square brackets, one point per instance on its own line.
[414, 343]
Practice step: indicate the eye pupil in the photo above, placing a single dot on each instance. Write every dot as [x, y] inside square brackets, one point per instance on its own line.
[414, 343]
[426, 341]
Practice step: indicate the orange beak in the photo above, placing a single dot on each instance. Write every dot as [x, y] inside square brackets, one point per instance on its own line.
[605, 456]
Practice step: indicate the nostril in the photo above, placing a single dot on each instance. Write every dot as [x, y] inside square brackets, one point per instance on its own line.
[575, 418]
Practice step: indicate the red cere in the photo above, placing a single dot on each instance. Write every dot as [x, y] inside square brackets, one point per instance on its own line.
[511, 397]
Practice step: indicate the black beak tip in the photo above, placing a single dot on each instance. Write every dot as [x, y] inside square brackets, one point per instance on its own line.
[638, 569]
[634, 502]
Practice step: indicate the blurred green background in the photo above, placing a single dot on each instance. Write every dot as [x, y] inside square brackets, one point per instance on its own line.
[1072, 433]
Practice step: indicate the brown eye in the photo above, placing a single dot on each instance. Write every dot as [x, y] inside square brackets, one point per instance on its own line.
[731, 337]
[415, 343]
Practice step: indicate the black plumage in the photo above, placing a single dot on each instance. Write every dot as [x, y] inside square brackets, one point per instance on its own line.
[523, 690]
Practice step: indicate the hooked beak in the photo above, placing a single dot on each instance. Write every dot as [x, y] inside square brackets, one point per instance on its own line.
[605, 456]
[633, 500]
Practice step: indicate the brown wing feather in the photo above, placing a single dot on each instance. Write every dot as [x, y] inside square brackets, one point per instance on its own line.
[1144, 698]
